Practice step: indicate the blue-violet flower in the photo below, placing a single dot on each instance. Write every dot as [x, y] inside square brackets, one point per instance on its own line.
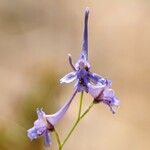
[104, 94]
[81, 70]
[45, 123]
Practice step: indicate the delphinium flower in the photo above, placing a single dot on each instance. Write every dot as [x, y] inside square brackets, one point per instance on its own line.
[81, 70]
[104, 94]
[44, 125]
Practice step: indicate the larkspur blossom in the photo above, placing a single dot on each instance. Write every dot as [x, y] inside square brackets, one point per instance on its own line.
[81, 70]
[44, 125]
[104, 94]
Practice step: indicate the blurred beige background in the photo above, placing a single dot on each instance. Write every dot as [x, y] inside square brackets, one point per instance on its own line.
[35, 37]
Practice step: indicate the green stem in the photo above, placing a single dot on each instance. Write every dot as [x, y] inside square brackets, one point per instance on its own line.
[80, 106]
[78, 120]
[70, 132]
[57, 138]
[87, 110]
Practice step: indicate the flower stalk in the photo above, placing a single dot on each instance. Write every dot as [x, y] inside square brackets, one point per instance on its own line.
[57, 139]
[78, 119]
[80, 106]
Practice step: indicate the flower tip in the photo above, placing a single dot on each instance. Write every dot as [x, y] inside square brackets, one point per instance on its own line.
[31, 134]
[87, 10]
[113, 112]
[69, 55]
[70, 58]
[39, 110]
[61, 81]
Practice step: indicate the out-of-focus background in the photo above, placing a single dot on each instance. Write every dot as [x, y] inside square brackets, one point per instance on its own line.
[35, 38]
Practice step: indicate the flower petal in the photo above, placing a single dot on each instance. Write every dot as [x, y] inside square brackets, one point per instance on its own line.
[116, 101]
[47, 138]
[109, 92]
[80, 86]
[70, 62]
[32, 134]
[54, 118]
[39, 127]
[40, 113]
[95, 90]
[97, 79]
[113, 105]
[108, 97]
[70, 77]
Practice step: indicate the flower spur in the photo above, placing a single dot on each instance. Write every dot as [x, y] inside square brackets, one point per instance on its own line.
[81, 70]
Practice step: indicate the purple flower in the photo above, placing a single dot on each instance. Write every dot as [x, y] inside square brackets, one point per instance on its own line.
[104, 94]
[81, 70]
[44, 125]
